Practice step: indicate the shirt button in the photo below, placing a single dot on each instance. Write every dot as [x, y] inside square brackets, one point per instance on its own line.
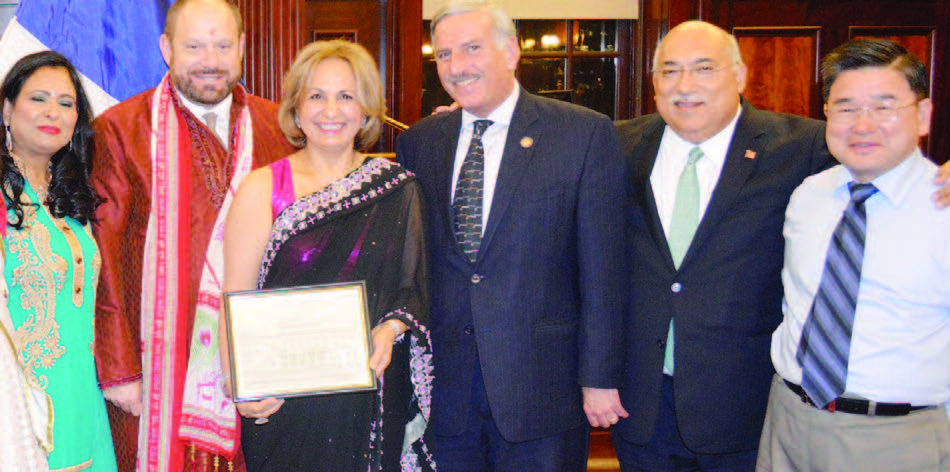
[676, 287]
[78, 289]
[661, 343]
[469, 329]
[476, 279]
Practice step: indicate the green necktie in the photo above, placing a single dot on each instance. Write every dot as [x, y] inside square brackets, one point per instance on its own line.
[682, 227]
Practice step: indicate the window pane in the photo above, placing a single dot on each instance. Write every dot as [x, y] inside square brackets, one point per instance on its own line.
[541, 74]
[595, 35]
[543, 35]
[595, 84]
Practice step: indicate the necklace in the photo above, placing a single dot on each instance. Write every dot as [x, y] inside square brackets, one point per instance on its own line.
[42, 191]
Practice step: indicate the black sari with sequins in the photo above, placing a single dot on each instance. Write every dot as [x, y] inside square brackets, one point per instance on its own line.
[366, 226]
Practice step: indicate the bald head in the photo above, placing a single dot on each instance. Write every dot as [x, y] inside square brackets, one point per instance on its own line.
[707, 29]
[698, 75]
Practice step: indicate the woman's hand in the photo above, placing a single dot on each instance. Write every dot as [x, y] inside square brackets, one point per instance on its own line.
[383, 337]
[260, 409]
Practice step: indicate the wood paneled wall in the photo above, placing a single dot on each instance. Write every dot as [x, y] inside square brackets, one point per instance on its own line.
[782, 42]
[770, 54]
[273, 33]
[277, 29]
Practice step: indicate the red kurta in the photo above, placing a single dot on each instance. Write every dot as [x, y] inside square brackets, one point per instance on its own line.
[122, 176]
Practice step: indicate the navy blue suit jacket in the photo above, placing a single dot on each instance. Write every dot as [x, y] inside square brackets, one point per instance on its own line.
[541, 308]
[726, 296]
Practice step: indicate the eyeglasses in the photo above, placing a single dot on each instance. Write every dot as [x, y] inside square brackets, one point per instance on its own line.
[878, 112]
[673, 74]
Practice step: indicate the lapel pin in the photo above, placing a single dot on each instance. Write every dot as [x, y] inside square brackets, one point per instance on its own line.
[527, 142]
[749, 154]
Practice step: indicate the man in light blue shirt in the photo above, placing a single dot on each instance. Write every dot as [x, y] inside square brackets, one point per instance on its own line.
[863, 353]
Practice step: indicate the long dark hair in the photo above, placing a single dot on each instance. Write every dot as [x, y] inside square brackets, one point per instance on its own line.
[69, 190]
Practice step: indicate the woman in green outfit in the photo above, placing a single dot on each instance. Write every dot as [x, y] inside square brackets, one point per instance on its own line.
[52, 263]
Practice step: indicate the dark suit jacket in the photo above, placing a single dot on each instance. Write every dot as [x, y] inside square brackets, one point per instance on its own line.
[726, 296]
[541, 308]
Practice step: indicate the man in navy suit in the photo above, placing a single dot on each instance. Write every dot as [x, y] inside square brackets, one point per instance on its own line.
[527, 258]
[705, 301]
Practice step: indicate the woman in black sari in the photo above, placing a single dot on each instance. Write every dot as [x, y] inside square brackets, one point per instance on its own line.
[328, 214]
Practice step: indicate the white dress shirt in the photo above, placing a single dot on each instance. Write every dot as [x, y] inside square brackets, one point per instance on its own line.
[671, 160]
[222, 109]
[900, 344]
[494, 143]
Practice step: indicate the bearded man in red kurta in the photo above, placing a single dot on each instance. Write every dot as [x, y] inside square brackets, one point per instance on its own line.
[167, 162]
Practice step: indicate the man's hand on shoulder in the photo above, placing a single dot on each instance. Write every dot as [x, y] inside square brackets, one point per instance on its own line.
[602, 406]
[128, 397]
[942, 195]
[446, 108]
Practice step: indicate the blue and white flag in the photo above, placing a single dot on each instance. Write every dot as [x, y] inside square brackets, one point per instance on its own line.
[113, 43]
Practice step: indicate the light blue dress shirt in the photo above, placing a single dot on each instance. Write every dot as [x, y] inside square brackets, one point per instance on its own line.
[900, 346]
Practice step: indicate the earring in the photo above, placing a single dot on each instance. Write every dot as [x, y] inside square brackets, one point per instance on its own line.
[296, 121]
[365, 120]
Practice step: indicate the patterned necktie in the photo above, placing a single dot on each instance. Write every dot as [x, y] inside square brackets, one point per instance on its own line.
[468, 193]
[683, 227]
[826, 337]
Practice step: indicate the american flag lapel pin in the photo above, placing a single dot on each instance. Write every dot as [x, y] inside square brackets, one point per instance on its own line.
[527, 142]
[749, 154]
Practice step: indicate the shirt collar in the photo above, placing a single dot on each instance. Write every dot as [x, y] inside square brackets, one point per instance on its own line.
[222, 109]
[712, 146]
[501, 115]
[895, 185]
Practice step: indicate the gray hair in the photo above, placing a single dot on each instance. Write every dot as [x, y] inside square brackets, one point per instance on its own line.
[503, 27]
[732, 46]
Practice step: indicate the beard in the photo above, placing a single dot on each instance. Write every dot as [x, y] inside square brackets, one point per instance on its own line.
[204, 95]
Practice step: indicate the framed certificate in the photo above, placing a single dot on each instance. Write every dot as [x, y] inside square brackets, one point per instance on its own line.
[299, 341]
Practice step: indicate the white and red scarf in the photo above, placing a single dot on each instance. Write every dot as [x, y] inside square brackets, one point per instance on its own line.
[204, 415]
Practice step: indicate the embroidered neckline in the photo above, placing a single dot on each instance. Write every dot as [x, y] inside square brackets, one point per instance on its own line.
[365, 184]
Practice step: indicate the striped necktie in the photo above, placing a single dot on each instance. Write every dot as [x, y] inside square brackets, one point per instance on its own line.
[683, 227]
[826, 337]
[468, 193]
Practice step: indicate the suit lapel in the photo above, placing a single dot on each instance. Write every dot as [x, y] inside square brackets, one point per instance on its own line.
[649, 148]
[735, 172]
[447, 145]
[514, 163]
